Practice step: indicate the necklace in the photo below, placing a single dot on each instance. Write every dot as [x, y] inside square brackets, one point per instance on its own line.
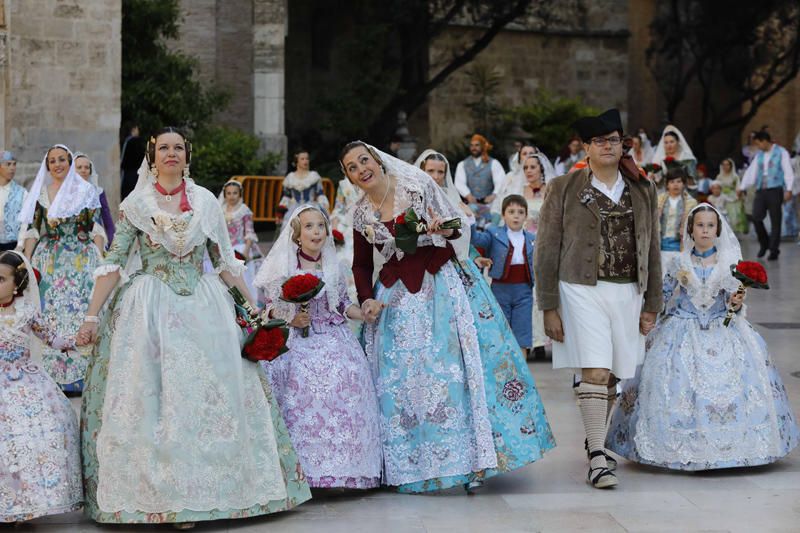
[307, 257]
[168, 194]
[377, 212]
[9, 304]
[703, 255]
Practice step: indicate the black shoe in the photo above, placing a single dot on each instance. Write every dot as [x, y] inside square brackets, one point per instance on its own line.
[762, 252]
[539, 353]
[773, 255]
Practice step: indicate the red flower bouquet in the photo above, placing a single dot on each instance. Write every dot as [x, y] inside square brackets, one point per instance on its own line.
[651, 168]
[239, 255]
[749, 274]
[408, 227]
[266, 339]
[338, 237]
[300, 289]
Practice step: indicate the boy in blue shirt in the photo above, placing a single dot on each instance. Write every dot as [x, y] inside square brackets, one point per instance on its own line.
[510, 249]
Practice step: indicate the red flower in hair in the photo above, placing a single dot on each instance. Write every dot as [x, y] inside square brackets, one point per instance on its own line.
[37, 275]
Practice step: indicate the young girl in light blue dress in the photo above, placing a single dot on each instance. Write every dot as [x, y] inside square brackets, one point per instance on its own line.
[707, 396]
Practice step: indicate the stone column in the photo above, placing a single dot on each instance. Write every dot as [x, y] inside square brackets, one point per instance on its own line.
[270, 23]
[3, 74]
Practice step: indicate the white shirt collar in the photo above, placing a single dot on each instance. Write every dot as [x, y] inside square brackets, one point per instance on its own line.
[614, 192]
[517, 240]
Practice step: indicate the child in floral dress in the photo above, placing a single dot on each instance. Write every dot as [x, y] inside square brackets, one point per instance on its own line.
[40, 466]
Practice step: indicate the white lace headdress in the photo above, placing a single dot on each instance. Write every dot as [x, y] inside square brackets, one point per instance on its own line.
[728, 253]
[28, 305]
[94, 179]
[515, 182]
[281, 262]
[685, 150]
[241, 208]
[413, 188]
[460, 245]
[144, 208]
[74, 196]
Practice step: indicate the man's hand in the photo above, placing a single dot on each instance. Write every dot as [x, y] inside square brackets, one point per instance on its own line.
[483, 262]
[489, 199]
[553, 327]
[471, 199]
[787, 196]
[647, 321]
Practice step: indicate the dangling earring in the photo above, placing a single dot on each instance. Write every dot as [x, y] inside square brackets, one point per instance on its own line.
[186, 171]
[154, 171]
[15, 292]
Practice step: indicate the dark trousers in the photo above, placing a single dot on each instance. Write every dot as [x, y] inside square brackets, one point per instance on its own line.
[768, 201]
[7, 246]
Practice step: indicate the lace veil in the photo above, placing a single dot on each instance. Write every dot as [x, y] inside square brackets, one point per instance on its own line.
[728, 253]
[414, 188]
[460, 245]
[178, 235]
[515, 182]
[241, 209]
[281, 263]
[685, 153]
[74, 196]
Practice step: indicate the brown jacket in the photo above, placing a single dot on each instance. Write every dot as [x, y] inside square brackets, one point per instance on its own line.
[568, 239]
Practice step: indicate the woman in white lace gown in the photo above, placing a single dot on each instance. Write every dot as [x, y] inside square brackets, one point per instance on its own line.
[176, 425]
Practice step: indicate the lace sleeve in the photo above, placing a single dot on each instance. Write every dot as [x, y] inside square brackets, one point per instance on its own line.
[249, 230]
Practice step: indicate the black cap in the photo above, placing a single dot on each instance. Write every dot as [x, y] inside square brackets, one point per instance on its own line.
[590, 127]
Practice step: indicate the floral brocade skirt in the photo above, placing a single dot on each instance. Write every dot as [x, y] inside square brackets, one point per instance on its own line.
[425, 359]
[704, 399]
[176, 426]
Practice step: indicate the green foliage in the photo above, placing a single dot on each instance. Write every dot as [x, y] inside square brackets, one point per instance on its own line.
[485, 81]
[159, 86]
[549, 119]
[219, 153]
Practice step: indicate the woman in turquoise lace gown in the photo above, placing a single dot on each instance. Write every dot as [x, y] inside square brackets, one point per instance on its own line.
[520, 428]
[63, 242]
[176, 426]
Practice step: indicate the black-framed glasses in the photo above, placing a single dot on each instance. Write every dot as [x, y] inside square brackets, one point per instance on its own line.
[602, 141]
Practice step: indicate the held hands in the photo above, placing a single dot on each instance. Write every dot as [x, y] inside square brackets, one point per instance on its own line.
[647, 321]
[787, 196]
[553, 327]
[87, 334]
[371, 309]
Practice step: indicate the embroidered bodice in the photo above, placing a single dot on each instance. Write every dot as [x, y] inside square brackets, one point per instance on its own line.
[679, 304]
[181, 274]
[79, 226]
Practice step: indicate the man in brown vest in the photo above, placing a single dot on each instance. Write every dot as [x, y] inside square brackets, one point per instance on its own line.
[598, 275]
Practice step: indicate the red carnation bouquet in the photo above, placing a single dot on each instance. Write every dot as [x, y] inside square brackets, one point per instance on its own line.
[266, 339]
[338, 237]
[749, 274]
[300, 289]
[652, 168]
[408, 227]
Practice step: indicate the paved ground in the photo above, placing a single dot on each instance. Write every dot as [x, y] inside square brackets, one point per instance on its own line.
[552, 495]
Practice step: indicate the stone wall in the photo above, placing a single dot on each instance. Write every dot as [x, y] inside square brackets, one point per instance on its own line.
[592, 66]
[219, 36]
[781, 113]
[61, 67]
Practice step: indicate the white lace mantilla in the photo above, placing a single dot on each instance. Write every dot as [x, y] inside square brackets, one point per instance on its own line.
[179, 234]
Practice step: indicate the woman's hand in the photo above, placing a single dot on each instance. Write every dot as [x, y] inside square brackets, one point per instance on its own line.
[371, 309]
[737, 299]
[301, 320]
[435, 223]
[87, 334]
